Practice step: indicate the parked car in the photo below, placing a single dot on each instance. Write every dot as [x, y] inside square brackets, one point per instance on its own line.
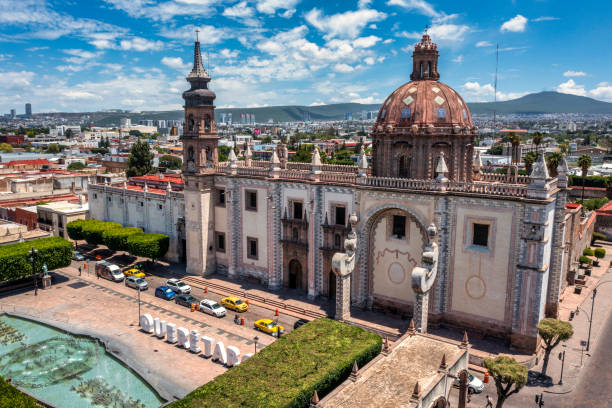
[178, 286]
[164, 292]
[134, 272]
[212, 308]
[136, 283]
[109, 271]
[300, 323]
[475, 384]
[185, 300]
[77, 256]
[269, 326]
[234, 303]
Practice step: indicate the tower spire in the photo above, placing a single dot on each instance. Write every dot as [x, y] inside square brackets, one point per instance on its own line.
[198, 70]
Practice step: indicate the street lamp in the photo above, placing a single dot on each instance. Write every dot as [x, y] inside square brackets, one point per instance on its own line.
[592, 310]
[255, 339]
[138, 304]
[33, 255]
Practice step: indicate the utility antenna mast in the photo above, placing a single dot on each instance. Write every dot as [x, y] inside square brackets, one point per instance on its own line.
[495, 87]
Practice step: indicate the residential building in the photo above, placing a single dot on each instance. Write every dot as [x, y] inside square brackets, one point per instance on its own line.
[54, 217]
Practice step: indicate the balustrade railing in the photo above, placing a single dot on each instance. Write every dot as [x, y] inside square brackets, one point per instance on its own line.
[338, 177]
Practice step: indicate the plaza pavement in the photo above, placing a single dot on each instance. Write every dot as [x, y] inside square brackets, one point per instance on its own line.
[109, 311]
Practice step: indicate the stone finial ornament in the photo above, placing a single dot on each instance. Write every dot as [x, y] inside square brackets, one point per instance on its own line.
[146, 187]
[441, 168]
[416, 393]
[477, 165]
[540, 171]
[362, 163]
[443, 362]
[465, 342]
[231, 159]
[248, 154]
[355, 371]
[411, 329]
[274, 162]
[315, 399]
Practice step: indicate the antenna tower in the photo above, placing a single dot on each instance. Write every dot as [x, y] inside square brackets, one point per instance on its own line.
[495, 86]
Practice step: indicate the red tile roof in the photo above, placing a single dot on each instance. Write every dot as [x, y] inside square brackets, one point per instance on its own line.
[572, 206]
[30, 162]
[149, 189]
[166, 178]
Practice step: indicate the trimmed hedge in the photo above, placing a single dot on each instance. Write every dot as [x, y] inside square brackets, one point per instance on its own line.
[116, 238]
[585, 260]
[598, 235]
[588, 252]
[148, 245]
[318, 356]
[15, 262]
[75, 229]
[599, 253]
[11, 397]
[93, 230]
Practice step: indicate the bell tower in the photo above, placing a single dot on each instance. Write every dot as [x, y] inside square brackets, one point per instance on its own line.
[200, 132]
[425, 60]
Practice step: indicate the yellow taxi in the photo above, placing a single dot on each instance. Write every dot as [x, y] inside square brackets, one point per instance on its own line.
[134, 272]
[269, 326]
[235, 304]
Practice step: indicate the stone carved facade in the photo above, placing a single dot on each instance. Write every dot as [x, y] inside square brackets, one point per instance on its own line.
[500, 258]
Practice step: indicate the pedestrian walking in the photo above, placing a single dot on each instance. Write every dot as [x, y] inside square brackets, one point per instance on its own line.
[79, 271]
[236, 319]
[489, 402]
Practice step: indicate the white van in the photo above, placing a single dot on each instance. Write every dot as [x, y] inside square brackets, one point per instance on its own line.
[109, 271]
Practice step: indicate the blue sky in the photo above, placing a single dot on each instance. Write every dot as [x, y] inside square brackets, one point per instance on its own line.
[134, 54]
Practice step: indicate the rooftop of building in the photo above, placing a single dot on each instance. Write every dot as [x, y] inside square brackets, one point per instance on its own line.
[389, 381]
[65, 207]
[161, 178]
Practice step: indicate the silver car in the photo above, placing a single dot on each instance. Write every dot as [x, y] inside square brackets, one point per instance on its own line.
[212, 308]
[135, 282]
[178, 286]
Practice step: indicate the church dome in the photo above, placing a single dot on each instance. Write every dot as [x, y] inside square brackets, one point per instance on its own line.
[425, 101]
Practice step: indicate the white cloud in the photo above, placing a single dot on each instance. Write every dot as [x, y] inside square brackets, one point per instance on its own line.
[570, 87]
[270, 6]
[186, 34]
[239, 10]
[458, 59]
[167, 10]
[344, 25]
[228, 54]
[571, 73]
[317, 103]
[288, 13]
[388, 41]
[363, 3]
[420, 6]
[366, 42]
[343, 68]
[483, 44]
[369, 60]
[545, 18]
[140, 44]
[366, 100]
[176, 63]
[475, 92]
[603, 91]
[516, 24]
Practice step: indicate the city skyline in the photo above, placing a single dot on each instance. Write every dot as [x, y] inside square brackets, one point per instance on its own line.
[135, 55]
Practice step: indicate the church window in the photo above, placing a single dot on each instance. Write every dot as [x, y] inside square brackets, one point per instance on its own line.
[297, 210]
[340, 215]
[95, 196]
[404, 167]
[251, 200]
[191, 123]
[207, 123]
[337, 241]
[109, 199]
[480, 235]
[220, 241]
[160, 207]
[441, 112]
[399, 226]
[295, 234]
[221, 197]
[252, 248]
[405, 113]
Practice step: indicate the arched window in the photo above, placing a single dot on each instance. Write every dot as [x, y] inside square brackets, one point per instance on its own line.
[190, 153]
[295, 234]
[207, 123]
[421, 70]
[428, 69]
[404, 167]
[191, 123]
[337, 241]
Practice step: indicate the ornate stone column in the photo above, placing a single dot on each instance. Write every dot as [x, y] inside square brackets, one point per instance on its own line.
[343, 264]
[423, 279]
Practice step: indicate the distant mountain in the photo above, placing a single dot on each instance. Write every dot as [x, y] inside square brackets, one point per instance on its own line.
[543, 102]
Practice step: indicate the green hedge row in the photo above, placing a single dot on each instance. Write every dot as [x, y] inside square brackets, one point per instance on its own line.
[318, 356]
[148, 245]
[589, 181]
[117, 238]
[11, 397]
[15, 262]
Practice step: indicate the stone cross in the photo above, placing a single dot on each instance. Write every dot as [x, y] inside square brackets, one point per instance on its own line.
[343, 264]
[423, 278]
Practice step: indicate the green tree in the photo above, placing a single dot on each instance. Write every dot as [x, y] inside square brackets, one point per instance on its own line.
[6, 148]
[148, 245]
[117, 238]
[537, 140]
[552, 332]
[53, 148]
[75, 230]
[342, 157]
[552, 162]
[170, 162]
[93, 231]
[223, 152]
[76, 165]
[529, 159]
[564, 148]
[140, 161]
[584, 162]
[55, 252]
[136, 133]
[599, 253]
[515, 141]
[509, 376]
[496, 150]
[69, 134]
[303, 154]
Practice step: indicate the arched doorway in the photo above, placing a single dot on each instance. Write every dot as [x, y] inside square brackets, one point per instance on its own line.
[332, 285]
[295, 274]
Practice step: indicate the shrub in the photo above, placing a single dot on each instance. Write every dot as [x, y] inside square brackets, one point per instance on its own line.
[598, 235]
[75, 229]
[599, 253]
[13, 398]
[94, 229]
[318, 356]
[116, 238]
[588, 252]
[585, 260]
[15, 263]
[148, 245]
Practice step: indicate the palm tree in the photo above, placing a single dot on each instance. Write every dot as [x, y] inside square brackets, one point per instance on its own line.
[584, 162]
[529, 159]
[537, 140]
[564, 148]
[515, 140]
[552, 162]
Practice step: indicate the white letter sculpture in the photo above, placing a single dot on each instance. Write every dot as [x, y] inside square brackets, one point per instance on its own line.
[343, 264]
[171, 333]
[183, 337]
[220, 355]
[423, 278]
[146, 323]
[193, 341]
[208, 345]
[233, 355]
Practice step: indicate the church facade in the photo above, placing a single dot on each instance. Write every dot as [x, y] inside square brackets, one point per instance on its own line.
[498, 238]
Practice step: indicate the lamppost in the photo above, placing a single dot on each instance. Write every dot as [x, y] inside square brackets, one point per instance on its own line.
[33, 255]
[138, 304]
[592, 310]
[562, 358]
[255, 339]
